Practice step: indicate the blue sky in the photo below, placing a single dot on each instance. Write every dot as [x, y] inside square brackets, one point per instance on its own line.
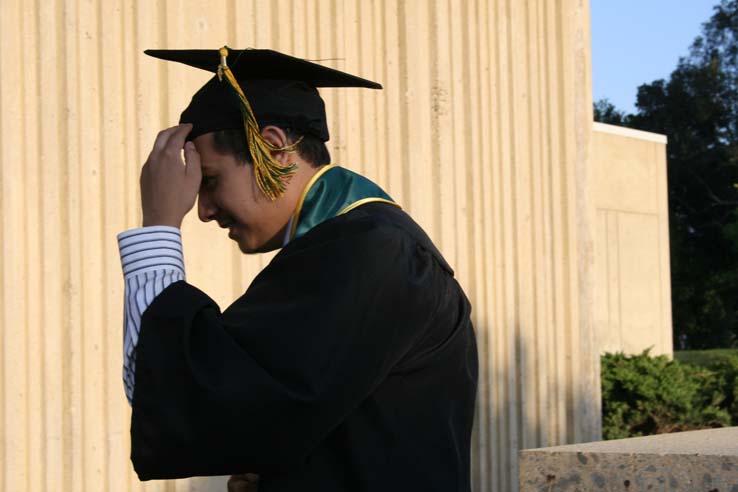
[638, 41]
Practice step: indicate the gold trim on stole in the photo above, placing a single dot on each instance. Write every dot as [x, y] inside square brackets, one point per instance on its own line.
[363, 201]
[305, 191]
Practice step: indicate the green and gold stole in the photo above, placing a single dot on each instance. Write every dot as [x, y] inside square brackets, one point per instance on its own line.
[331, 192]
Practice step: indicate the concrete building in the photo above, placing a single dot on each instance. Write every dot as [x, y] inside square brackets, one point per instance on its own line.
[483, 133]
[633, 281]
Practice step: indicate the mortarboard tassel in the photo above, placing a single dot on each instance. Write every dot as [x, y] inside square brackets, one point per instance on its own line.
[270, 174]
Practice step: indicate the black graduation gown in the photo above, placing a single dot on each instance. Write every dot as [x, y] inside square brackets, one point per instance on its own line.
[349, 364]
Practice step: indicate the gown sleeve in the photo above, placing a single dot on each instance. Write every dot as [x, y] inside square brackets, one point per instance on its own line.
[257, 387]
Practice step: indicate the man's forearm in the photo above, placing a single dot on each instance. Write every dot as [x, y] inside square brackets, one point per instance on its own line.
[152, 260]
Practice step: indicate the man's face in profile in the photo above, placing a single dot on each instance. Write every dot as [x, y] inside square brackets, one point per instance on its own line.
[230, 196]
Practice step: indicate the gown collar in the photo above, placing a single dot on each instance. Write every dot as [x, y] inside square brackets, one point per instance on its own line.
[331, 192]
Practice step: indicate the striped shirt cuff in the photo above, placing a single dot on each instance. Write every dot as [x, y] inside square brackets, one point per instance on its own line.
[149, 249]
[152, 260]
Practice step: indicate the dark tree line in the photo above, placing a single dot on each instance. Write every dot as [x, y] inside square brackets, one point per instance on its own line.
[697, 109]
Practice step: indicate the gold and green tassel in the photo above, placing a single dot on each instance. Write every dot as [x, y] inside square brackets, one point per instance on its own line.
[270, 174]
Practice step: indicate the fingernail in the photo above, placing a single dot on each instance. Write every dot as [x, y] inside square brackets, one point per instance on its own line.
[190, 146]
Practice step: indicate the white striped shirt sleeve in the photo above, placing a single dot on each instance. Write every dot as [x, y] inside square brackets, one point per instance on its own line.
[152, 259]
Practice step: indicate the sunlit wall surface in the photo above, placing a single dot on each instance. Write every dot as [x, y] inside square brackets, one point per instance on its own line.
[482, 134]
[633, 280]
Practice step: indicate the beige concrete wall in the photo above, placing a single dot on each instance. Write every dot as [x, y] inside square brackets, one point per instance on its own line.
[633, 287]
[482, 134]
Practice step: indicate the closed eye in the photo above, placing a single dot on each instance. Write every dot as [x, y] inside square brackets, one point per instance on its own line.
[208, 182]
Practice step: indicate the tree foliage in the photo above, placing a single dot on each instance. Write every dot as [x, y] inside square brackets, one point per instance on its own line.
[606, 112]
[697, 108]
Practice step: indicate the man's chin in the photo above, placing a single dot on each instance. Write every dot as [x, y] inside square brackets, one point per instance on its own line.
[250, 249]
[250, 244]
[246, 248]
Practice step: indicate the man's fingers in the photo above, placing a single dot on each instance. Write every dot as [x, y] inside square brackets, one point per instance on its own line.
[193, 171]
[176, 139]
[243, 483]
[163, 138]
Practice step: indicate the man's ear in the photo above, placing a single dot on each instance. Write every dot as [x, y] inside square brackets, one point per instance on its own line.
[277, 137]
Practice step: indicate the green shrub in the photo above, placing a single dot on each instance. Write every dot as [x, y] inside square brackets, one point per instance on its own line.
[726, 371]
[645, 395]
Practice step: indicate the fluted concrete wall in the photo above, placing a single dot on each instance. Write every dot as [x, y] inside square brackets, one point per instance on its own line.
[482, 134]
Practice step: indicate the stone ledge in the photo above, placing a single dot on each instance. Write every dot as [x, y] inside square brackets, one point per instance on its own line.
[697, 461]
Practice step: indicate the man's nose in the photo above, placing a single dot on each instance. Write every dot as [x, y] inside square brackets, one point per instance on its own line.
[206, 209]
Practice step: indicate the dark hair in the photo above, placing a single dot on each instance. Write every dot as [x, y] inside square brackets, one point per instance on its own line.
[310, 148]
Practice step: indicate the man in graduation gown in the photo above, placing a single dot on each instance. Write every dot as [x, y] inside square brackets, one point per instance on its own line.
[350, 363]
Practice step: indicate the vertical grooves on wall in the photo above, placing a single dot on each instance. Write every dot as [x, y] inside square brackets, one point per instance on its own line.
[163, 68]
[114, 117]
[131, 151]
[497, 321]
[4, 333]
[555, 385]
[133, 145]
[37, 358]
[379, 149]
[481, 465]
[11, 324]
[89, 262]
[387, 160]
[513, 321]
[50, 265]
[360, 61]
[75, 327]
[590, 392]
[27, 287]
[559, 209]
[436, 108]
[232, 27]
[521, 182]
[570, 193]
[118, 183]
[499, 361]
[543, 283]
[563, 194]
[534, 355]
[404, 122]
[337, 49]
[106, 203]
[64, 457]
[482, 246]
[557, 243]
[274, 28]
[477, 263]
[464, 197]
[548, 236]
[538, 270]
[490, 250]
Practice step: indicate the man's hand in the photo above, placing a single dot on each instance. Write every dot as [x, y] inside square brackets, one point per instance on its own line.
[247, 482]
[168, 186]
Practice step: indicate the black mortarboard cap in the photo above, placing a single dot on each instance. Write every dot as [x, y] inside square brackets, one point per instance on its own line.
[281, 89]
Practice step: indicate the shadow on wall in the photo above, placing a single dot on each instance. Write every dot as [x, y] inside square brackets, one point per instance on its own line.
[506, 417]
[528, 400]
